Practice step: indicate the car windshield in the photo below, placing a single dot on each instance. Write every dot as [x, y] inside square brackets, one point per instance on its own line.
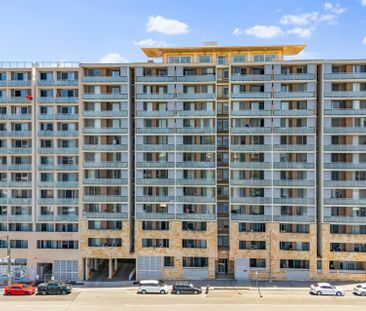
[358, 286]
[161, 284]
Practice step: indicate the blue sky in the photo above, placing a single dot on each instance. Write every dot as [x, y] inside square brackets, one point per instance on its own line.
[94, 30]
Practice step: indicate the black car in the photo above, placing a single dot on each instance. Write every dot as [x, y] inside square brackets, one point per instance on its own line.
[54, 288]
[185, 288]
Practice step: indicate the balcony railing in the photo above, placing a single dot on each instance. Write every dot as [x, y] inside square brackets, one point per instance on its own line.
[71, 150]
[197, 78]
[294, 130]
[105, 215]
[294, 147]
[60, 217]
[156, 147]
[194, 216]
[196, 130]
[57, 82]
[106, 113]
[293, 112]
[105, 79]
[345, 166]
[345, 183]
[251, 77]
[58, 167]
[60, 99]
[105, 198]
[303, 201]
[252, 95]
[251, 147]
[250, 182]
[15, 133]
[99, 131]
[294, 183]
[344, 201]
[294, 76]
[19, 150]
[294, 218]
[345, 219]
[196, 113]
[250, 200]
[105, 96]
[154, 198]
[345, 130]
[250, 130]
[163, 79]
[71, 133]
[12, 217]
[15, 83]
[196, 95]
[155, 114]
[294, 94]
[105, 181]
[14, 116]
[345, 94]
[345, 111]
[294, 165]
[251, 165]
[196, 199]
[197, 147]
[151, 216]
[249, 217]
[16, 167]
[60, 184]
[105, 147]
[247, 112]
[105, 164]
[155, 130]
[345, 76]
[58, 201]
[345, 147]
[154, 164]
[16, 201]
[195, 164]
[155, 181]
[157, 96]
[196, 181]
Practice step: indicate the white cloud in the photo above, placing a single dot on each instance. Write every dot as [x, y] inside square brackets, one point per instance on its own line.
[150, 42]
[166, 26]
[264, 32]
[363, 2]
[364, 41]
[335, 9]
[113, 58]
[301, 32]
[299, 20]
[303, 55]
[237, 32]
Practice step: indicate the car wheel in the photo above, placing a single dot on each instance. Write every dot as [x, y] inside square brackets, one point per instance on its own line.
[43, 292]
[63, 292]
[338, 294]
[319, 293]
[8, 294]
[195, 292]
[162, 292]
[143, 292]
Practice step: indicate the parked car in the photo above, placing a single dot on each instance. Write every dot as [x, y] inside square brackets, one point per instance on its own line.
[326, 289]
[19, 289]
[185, 288]
[152, 287]
[54, 288]
[360, 289]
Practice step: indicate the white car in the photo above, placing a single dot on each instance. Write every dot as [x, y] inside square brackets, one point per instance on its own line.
[326, 289]
[152, 287]
[360, 289]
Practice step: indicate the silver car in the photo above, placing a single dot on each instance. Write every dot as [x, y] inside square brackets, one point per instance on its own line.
[326, 289]
[152, 287]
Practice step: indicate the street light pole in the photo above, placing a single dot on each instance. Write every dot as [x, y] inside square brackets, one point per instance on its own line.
[8, 254]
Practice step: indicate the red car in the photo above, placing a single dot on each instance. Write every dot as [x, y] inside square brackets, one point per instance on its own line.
[19, 289]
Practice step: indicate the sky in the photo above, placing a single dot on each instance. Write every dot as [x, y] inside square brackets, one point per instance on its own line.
[115, 30]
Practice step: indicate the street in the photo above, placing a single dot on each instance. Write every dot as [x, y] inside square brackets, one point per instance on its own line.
[90, 299]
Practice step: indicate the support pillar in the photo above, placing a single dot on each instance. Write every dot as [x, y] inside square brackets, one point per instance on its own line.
[115, 264]
[110, 268]
[86, 269]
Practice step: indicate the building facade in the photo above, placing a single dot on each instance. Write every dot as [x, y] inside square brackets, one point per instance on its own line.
[214, 162]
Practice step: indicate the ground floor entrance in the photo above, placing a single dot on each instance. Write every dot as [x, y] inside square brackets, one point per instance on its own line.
[115, 269]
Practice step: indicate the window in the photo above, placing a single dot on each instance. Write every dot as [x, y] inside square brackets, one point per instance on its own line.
[169, 261]
[204, 59]
[195, 262]
[257, 263]
[239, 58]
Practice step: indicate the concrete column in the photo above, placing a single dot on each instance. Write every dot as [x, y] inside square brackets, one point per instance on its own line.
[115, 264]
[86, 269]
[110, 268]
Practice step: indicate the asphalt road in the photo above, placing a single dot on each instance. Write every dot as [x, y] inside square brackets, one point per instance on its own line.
[127, 300]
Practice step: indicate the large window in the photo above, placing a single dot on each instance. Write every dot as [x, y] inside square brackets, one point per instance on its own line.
[195, 262]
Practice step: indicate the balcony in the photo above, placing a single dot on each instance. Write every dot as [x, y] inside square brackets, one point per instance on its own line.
[16, 116]
[345, 166]
[253, 95]
[58, 133]
[57, 82]
[157, 96]
[15, 100]
[105, 96]
[249, 217]
[247, 112]
[16, 167]
[71, 150]
[345, 94]
[106, 113]
[294, 130]
[155, 130]
[16, 150]
[294, 218]
[15, 83]
[100, 131]
[250, 182]
[58, 201]
[293, 112]
[344, 147]
[294, 147]
[196, 113]
[294, 183]
[105, 181]
[197, 147]
[16, 201]
[345, 112]
[51, 217]
[154, 79]
[251, 147]
[105, 164]
[196, 199]
[105, 79]
[195, 164]
[196, 130]
[105, 215]
[155, 114]
[154, 216]
[194, 216]
[58, 167]
[16, 184]
[155, 199]
[251, 165]
[294, 165]
[59, 116]
[250, 200]
[155, 181]
[345, 183]
[105, 198]
[197, 78]
[294, 201]
[250, 130]
[154, 164]
[345, 76]
[151, 147]
[345, 219]
[105, 147]
[196, 181]
[345, 130]
[294, 94]
[61, 184]
[60, 99]
[294, 76]
[196, 96]
[16, 218]
[15, 133]
[251, 77]
[344, 201]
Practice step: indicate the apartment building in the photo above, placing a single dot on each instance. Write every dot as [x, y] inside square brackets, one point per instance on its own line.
[200, 163]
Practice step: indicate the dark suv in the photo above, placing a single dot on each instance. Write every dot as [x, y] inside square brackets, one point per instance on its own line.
[54, 288]
[185, 288]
